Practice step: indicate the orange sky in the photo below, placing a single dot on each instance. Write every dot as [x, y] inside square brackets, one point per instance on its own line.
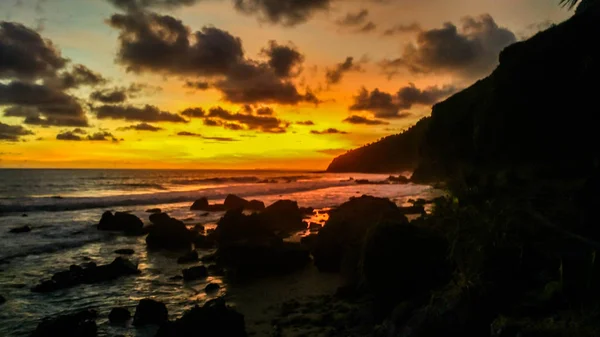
[79, 31]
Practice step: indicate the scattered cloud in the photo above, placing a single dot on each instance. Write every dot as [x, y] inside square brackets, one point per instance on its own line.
[109, 96]
[148, 113]
[367, 28]
[286, 61]
[334, 75]
[333, 152]
[194, 112]
[353, 18]
[13, 133]
[219, 139]
[307, 123]
[217, 116]
[73, 135]
[403, 29]
[329, 131]
[197, 85]
[141, 127]
[355, 119]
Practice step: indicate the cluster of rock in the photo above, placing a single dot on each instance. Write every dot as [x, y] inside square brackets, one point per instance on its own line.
[231, 202]
[86, 274]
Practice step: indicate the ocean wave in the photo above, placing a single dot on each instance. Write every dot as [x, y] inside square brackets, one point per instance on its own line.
[216, 180]
[213, 193]
[143, 185]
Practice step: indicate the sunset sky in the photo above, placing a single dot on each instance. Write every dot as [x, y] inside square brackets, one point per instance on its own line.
[236, 84]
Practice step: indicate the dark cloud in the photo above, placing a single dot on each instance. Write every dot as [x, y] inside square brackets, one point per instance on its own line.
[329, 131]
[334, 76]
[41, 105]
[218, 116]
[109, 96]
[219, 139]
[197, 85]
[80, 75]
[265, 111]
[134, 5]
[367, 28]
[163, 44]
[354, 18]
[24, 54]
[471, 51]
[403, 29]
[284, 59]
[141, 127]
[79, 131]
[354, 119]
[307, 123]
[13, 133]
[148, 113]
[97, 136]
[286, 12]
[386, 105]
[194, 112]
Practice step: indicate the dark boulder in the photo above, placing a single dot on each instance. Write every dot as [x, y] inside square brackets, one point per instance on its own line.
[204, 242]
[22, 229]
[283, 215]
[214, 319]
[2, 299]
[255, 205]
[168, 233]
[313, 226]
[189, 257]
[77, 275]
[235, 202]
[235, 225]
[149, 311]
[125, 251]
[153, 210]
[212, 288]
[121, 222]
[215, 270]
[343, 234]
[80, 324]
[119, 316]
[200, 205]
[195, 273]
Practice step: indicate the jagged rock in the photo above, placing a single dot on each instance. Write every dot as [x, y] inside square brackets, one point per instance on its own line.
[204, 242]
[168, 233]
[235, 225]
[80, 324]
[22, 229]
[121, 222]
[313, 226]
[234, 202]
[342, 236]
[255, 205]
[119, 316]
[149, 311]
[200, 205]
[190, 257]
[212, 288]
[283, 215]
[91, 274]
[195, 273]
[214, 319]
[125, 251]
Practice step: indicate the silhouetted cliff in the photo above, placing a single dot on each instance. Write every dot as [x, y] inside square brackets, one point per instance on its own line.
[534, 115]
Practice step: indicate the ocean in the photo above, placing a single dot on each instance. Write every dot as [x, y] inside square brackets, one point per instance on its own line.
[63, 206]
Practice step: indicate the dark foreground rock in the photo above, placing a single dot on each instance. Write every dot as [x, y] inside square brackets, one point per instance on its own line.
[119, 316]
[340, 240]
[189, 257]
[212, 288]
[203, 205]
[149, 311]
[91, 273]
[80, 324]
[121, 222]
[125, 251]
[234, 202]
[195, 273]
[283, 215]
[22, 229]
[168, 233]
[2, 299]
[214, 319]
[153, 210]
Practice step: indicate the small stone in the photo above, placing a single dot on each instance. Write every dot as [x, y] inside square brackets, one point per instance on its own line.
[195, 273]
[212, 288]
[149, 311]
[22, 229]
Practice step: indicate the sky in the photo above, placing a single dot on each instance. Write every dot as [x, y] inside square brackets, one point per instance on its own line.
[236, 84]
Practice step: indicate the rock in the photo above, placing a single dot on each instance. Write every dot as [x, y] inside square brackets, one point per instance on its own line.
[2, 299]
[416, 209]
[149, 311]
[344, 232]
[235, 225]
[119, 316]
[199, 228]
[398, 180]
[214, 319]
[125, 251]
[313, 226]
[153, 210]
[77, 275]
[234, 202]
[195, 273]
[212, 288]
[80, 324]
[190, 257]
[121, 222]
[215, 270]
[200, 205]
[204, 242]
[255, 205]
[24, 215]
[176, 278]
[22, 229]
[283, 215]
[309, 241]
[204, 214]
[168, 233]
[306, 211]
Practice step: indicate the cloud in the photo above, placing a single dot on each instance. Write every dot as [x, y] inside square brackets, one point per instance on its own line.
[218, 116]
[334, 76]
[41, 105]
[142, 4]
[26, 55]
[353, 18]
[141, 127]
[194, 112]
[163, 44]
[403, 29]
[265, 111]
[75, 136]
[284, 59]
[109, 96]
[80, 75]
[329, 131]
[13, 133]
[197, 85]
[219, 139]
[367, 28]
[148, 113]
[471, 51]
[386, 105]
[307, 123]
[333, 152]
[354, 119]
